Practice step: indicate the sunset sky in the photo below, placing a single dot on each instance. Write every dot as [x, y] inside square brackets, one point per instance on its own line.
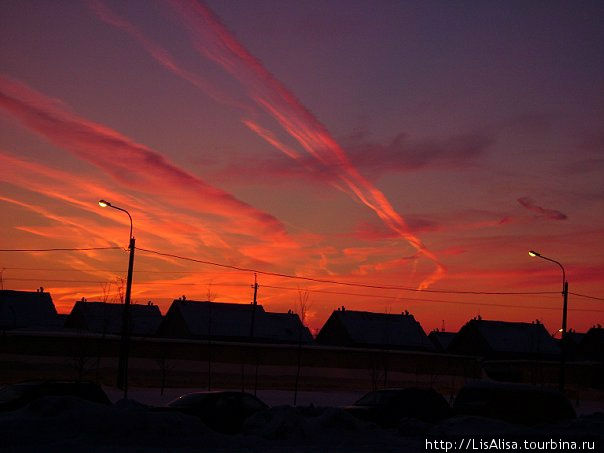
[420, 145]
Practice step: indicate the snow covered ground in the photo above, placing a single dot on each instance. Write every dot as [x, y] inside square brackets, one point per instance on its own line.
[153, 396]
[66, 424]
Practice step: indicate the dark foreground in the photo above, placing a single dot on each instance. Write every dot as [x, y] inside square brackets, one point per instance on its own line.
[68, 424]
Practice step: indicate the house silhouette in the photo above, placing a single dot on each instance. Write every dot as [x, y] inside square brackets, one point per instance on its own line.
[107, 318]
[374, 330]
[504, 340]
[27, 309]
[231, 322]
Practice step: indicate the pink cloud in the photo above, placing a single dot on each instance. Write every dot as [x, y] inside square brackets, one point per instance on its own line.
[551, 214]
[212, 39]
[132, 164]
[156, 223]
[216, 43]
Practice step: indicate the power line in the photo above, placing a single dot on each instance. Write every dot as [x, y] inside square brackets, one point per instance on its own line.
[428, 300]
[335, 282]
[62, 249]
[109, 281]
[53, 280]
[117, 271]
[57, 269]
[319, 291]
[275, 274]
[586, 296]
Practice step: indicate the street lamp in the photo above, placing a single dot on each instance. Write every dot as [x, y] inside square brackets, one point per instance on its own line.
[122, 369]
[532, 253]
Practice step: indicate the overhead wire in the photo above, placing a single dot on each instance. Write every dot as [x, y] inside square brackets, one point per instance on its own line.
[66, 249]
[586, 296]
[427, 300]
[341, 293]
[275, 274]
[336, 282]
[64, 269]
[109, 281]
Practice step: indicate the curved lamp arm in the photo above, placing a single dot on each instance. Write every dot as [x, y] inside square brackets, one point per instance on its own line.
[533, 253]
[105, 204]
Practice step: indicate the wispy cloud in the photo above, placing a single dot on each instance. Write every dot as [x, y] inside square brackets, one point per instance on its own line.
[161, 55]
[214, 41]
[132, 164]
[81, 192]
[405, 154]
[372, 159]
[551, 214]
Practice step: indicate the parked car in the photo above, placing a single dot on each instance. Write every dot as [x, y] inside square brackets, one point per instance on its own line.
[515, 403]
[387, 407]
[15, 396]
[222, 411]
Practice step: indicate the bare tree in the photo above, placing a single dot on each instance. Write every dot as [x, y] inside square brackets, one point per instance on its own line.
[120, 285]
[211, 295]
[303, 305]
[106, 289]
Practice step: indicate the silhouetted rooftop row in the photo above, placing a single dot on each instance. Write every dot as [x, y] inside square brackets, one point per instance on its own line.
[218, 321]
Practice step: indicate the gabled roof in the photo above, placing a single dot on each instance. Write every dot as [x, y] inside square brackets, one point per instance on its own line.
[441, 340]
[204, 319]
[283, 327]
[102, 317]
[512, 337]
[20, 309]
[379, 329]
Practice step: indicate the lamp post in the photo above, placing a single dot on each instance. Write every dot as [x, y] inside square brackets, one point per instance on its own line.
[122, 369]
[564, 313]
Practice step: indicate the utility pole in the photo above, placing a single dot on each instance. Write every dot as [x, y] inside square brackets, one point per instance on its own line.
[532, 253]
[122, 366]
[563, 340]
[255, 304]
[122, 378]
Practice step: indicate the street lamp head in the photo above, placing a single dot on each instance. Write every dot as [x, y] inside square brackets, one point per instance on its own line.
[104, 204]
[533, 253]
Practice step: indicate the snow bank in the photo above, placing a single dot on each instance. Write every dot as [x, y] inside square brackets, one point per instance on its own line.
[330, 428]
[67, 424]
[71, 424]
[304, 423]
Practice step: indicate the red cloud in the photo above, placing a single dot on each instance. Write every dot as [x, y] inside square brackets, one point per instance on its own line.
[212, 39]
[131, 163]
[547, 213]
[216, 43]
